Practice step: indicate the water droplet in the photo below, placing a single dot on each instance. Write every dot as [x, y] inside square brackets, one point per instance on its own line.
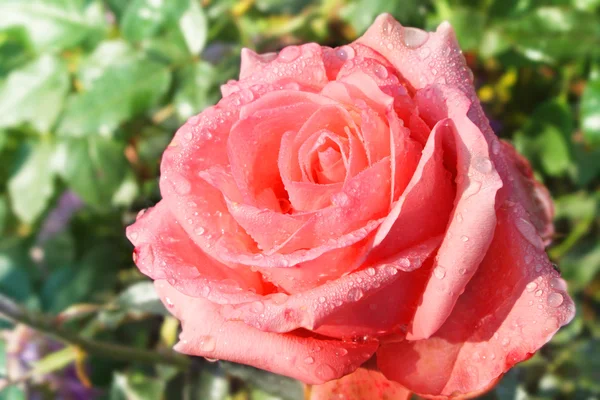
[414, 37]
[208, 344]
[391, 270]
[439, 272]
[325, 372]
[528, 259]
[341, 352]
[381, 71]
[182, 185]
[539, 293]
[134, 235]
[505, 341]
[188, 135]
[344, 53]
[289, 54]
[531, 286]
[558, 284]
[169, 302]
[459, 217]
[496, 145]
[462, 271]
[322, 299]
[355, 294]
[555, 299]
[371, 271]
[246, 95]
[464, 238]
[309, 360]
[257, 307]
[390, 46]
[483, 165]
[530, 233]
[199, 231]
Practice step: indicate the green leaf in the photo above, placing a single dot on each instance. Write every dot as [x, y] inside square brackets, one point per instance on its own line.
[194, 27]
[554, 33]
[554, 148]
[3, 213]
[207, 384]
[34, 94]
[142, 297]
[15, 49]
[144, 18]
[54, 24]
[136, 387]
[197, 89]
[468, 23]
[93, 167]
[15, 282]
[55, 361]
[12, 393]
[32, 184]
[70, 285]
[590, 108]
[122, 89]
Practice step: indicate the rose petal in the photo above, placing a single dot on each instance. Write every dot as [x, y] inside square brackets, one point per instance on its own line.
[469, 233]
[512, 306]
[361, 384]
[307, 358]
[164, 251]
[301, 64]
[350, 306]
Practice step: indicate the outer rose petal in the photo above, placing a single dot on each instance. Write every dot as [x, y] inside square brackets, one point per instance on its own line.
[164, 251]
[513, 305]
[309, 359]
[435, 57]
[361, 384]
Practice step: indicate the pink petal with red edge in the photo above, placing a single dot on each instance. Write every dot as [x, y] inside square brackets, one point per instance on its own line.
[511, 307]
[439, 52]
[361, 384]
[164, 251]
[302, 64]
[526, 190]
[299, 355]
[350, 306]
[469, 233]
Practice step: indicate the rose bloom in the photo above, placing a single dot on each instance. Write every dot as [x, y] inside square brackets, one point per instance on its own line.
[352, 204]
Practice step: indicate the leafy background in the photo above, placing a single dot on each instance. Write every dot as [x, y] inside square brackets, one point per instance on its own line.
[91, 92]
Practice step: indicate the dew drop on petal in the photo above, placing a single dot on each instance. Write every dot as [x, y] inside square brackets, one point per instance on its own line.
[344, 53]
[531, 286]
[169, 302]
[199, 231]
[355, 294]
[483, 165]
[439, 272]
[558, 284]
[539, 293]
[391, 270]
[208, 343]
[381, 71]
[529, 233]
[555, 299]
[325, 372]
[414, 37]
[371, 271]
[309, 360]
[464, 238]
[322, 299]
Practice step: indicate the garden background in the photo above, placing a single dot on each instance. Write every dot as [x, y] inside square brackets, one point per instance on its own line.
[91, 92]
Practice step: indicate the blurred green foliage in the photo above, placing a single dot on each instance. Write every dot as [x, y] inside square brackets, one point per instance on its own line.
[91, 92]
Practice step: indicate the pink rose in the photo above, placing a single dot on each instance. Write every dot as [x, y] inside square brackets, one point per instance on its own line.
[343, 203]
